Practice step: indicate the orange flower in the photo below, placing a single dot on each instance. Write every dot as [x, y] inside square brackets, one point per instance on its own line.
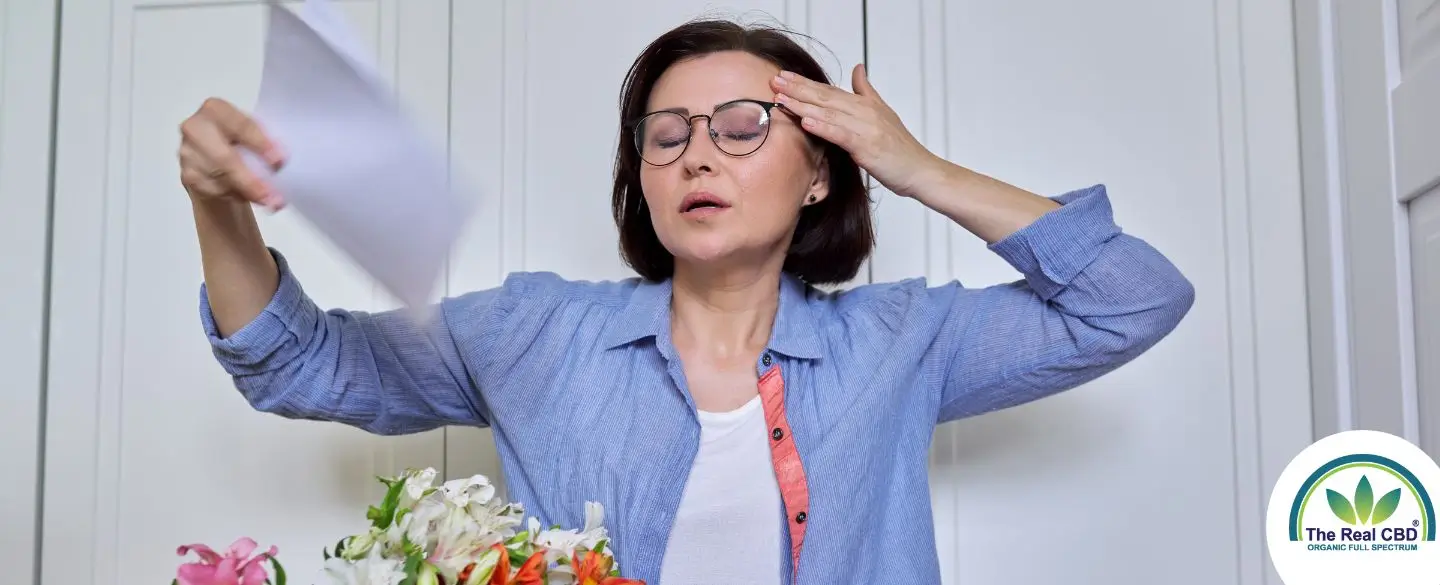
[532, 572]
[594, 569]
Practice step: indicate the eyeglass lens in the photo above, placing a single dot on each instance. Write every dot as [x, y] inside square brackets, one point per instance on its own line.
[737, 128]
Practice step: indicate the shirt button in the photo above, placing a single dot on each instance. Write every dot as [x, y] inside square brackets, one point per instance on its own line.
[777, 434]
[800, 518]
[765, 360]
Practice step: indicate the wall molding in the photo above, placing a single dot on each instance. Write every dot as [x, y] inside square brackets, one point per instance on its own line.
[1265, 252]
[1361, 334]
[27, 70]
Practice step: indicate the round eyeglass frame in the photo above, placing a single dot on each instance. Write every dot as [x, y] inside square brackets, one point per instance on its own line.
[634, 126]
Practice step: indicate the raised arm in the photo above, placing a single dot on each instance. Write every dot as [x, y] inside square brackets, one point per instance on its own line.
[1092, 299]
[375, 371]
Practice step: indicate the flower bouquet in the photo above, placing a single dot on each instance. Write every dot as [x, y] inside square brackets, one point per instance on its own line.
[456, 534]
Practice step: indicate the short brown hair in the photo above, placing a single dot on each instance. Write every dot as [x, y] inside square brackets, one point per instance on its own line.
[833, 237]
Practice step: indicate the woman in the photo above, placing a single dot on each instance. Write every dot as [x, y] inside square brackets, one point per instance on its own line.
[738, 425]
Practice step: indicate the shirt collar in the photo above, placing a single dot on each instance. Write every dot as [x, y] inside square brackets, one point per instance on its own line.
[794, 334]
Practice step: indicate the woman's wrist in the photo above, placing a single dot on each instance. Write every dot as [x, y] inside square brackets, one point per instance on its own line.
[989, 208]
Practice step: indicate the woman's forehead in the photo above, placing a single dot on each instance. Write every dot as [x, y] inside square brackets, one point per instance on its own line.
[701, 83]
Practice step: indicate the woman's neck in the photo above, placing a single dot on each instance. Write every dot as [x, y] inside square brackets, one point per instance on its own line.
[724, 315]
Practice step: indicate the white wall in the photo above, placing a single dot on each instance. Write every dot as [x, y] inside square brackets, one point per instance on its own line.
[1189, 119]
[27, 33]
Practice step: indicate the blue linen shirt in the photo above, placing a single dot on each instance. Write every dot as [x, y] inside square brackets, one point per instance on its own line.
[587, 398]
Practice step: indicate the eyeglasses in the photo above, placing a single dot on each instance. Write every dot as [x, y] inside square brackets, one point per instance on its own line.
[737, 128]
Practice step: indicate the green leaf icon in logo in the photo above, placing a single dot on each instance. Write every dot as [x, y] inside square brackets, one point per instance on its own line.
[1364, 500]
[1365, 509]
[1386, 506]
[1340, 506]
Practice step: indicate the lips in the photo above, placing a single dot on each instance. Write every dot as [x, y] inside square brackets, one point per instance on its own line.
[702, 201]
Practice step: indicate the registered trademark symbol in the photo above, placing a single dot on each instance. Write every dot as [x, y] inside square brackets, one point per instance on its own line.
[1414, 522]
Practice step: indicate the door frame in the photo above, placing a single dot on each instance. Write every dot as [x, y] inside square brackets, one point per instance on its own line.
[1362, 326]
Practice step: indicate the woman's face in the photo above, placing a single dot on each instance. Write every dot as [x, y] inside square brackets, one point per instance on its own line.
[709, 207]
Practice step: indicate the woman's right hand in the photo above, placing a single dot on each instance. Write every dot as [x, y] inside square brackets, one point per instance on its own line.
[211, 164]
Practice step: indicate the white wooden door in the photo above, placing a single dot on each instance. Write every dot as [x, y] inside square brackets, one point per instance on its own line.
[149, 446]
[1370, 130]
[1415, 116]
[1158, 472]
[535, 121]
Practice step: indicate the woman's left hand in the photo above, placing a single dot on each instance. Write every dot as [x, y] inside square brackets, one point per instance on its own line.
[865, 126]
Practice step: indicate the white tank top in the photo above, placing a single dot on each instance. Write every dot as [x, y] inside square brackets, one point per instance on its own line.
[728, 528]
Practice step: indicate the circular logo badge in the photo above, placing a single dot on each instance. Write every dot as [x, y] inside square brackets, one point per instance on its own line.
[1355, 507]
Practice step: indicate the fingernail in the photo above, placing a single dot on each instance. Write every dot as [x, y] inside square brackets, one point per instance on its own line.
[276, 156]
[781, 81]
[787, 74]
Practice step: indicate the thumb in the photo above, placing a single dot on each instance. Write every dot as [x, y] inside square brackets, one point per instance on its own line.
[860, 81]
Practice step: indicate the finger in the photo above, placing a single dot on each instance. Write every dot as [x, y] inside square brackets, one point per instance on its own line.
[244, 130]
[807, 90]
[834, 133]
[213, 155]
[194, 176]
[806, 110]
[860, 80]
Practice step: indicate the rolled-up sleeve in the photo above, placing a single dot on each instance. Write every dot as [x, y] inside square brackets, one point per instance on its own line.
[377, 371]
[1091, 299]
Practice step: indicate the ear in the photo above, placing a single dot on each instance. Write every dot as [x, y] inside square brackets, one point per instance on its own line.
[820, 184]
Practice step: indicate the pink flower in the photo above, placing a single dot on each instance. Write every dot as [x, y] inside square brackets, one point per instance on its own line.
[236, 567]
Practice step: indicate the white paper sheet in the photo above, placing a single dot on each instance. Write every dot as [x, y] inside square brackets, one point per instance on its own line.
[358, 169]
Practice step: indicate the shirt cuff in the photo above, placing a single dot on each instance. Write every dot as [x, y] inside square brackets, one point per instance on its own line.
[289, 317]
[1055, 248]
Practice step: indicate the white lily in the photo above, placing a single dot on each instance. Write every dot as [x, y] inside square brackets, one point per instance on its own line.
[474, 489]
[372, 569]
[417, 483]
[569, 540]
[360, 545]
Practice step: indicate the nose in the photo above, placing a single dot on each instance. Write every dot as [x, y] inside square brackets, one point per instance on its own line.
[701, 151]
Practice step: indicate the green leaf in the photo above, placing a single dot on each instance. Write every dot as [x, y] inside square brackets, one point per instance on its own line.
[412, 569]
[279, 571]
[1341, 507]
[1364, 500]
[382, 516]
[600, 547]
[1386, 506]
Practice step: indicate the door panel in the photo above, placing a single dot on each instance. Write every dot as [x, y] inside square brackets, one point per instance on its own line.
[1416, 119]
[1415, 115]
[149, 445]
[1425, 254]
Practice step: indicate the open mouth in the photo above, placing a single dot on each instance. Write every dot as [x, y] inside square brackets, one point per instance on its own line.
[701, 202]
